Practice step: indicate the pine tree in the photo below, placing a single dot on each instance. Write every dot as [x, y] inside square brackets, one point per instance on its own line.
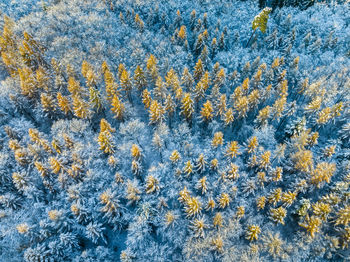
[105, 142]
[170, 105]
[207, 111]
[27, 82]
[95, 98]
[88, 73]
[152, 67]
[260, 21]
[146, 98]
[118, 107]
[198, 70]
[125, 83]
[187, 108]
[187, 80]
[110, 84]
[139, 78]
[182, 35]
[139, 23]
[47, 102]
[160, 90]
[172, 80]
[74, 87]
[63, 103]
[156, 111]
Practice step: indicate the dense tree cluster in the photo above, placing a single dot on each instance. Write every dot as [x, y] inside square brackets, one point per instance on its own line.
[174, 131]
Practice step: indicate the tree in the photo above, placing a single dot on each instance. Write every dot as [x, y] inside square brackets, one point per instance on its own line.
[260, 21]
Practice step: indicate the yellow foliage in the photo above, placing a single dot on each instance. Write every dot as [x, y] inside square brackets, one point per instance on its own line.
[211, 204]
[27, 82]
[175, 156]
[214, 164]
[201, 163]
[22, 228]
[277, 174]
[63, 103]
[169, 105]
[139, 22]
[54, 214]
[279, 106]
[329, 151]
[55, 165]
[125, 82]
[105, 126]
[303, 160]
[224, 200]
[95, 98]
[260, 202]
[288, 198]
[218, 139]
[151, 184]
[207, 111]
[241, 105]
[218, 220]
[182, 33]
[232, 149]
[192, 206]
[109, 204]
[105, 142]
[187, 106]
[265, 160]
[228, 117]
[184, 195]
[198, 70]
[278, 214]
[260, 21]
[324, 115]
[80, 107]
[198, 225]
[135, 152]
[322, 173]
[202, 184]
[264, 115]
[169, 218]
[139, 78]
[275, 196]
[343, 216]
[312, 225]
[188, 169]
[252, 144]
[47, 102]
[74, 87]
[156, 111]
[252, 232]
[321, 210]
[146, 98]
[118, 107]
[110, 84]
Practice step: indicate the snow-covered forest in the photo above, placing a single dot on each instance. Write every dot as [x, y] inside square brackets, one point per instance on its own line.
[192, 130]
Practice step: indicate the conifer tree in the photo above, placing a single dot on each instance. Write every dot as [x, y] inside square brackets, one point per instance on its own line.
[207, 111]
[125, 83]
[110, 84]
[81, 108]
[139, 78]
[198, 70]
[156, 111]
[63, 103]
[187, 108]
[146, 98]
[118, 107]
[187, 80]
